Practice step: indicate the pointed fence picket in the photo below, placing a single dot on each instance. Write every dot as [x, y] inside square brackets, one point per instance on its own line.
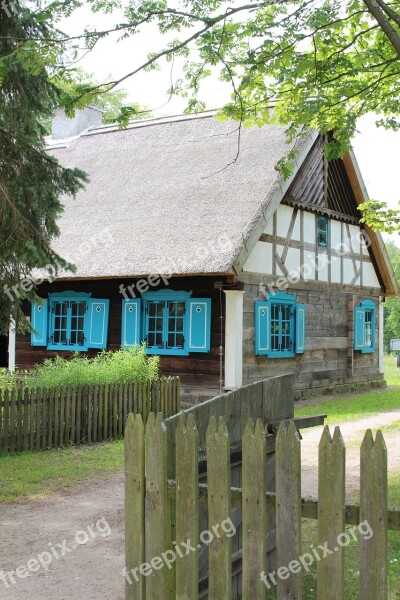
[158, 568]
[38, 419]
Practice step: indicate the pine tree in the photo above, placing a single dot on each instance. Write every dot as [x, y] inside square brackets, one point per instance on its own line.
[31, 181]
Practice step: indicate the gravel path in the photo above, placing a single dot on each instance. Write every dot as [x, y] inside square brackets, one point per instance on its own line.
[353, 434]
[92, 571]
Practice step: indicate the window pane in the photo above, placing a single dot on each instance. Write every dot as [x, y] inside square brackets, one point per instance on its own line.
[77, 337]
[322, 231]
[281, 327]
[60, 323]
[155, 324]
[176, 311]
[368, 329]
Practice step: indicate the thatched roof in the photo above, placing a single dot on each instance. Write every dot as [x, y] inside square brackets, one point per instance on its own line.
[169, 193]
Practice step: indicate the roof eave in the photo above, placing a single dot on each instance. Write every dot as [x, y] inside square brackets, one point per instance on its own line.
[377, 244]
[270, 209]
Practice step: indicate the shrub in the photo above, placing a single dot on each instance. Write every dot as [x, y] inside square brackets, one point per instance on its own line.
[7, 380]
[121, 366]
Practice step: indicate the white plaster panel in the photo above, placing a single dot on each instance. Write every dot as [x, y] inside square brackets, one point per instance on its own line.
[335, 234]
[279, 250]
[284, 217]
[260, 259]
[269, 229]
[335, 269]
[309, 264]
[292, 262]
[296, 228]
[364, 248]
[369, 276]
[348, 270]
[323, 267]
[355, 234]
[309, 227]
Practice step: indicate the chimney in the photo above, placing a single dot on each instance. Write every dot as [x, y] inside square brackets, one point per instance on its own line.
[63, 127]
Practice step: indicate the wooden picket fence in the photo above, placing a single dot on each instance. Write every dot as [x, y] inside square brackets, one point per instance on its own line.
[160, 510]
[40, 418]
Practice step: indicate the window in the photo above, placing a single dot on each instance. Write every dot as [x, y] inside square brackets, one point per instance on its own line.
[67, 323]
[279, 326]
[364, 326]
[169, 322]
[70, 321]
[322, 231]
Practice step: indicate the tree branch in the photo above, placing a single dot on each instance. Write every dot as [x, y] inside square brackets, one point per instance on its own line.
[389, 11]
[384, 24]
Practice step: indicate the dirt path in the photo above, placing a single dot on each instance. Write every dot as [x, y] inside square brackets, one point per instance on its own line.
[352, 434]
[92, 571]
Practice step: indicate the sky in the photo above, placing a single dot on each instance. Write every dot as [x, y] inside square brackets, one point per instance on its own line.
[377, 150]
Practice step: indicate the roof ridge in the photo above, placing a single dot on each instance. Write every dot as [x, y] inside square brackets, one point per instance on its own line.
[150, 121]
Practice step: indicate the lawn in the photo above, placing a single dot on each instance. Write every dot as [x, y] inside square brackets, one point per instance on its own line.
[392, 373]
[37, 474]
[352, 556]
[351, 408]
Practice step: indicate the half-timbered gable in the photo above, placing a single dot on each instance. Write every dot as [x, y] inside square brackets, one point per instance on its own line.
[211, 259]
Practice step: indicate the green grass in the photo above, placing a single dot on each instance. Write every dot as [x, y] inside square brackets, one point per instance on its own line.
[352, 566]
[351, 408]
[392, 373]
[340, 410]
[36, 474]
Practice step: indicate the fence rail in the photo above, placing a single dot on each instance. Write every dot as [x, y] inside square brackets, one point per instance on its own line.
[160, 509]
[40, 418]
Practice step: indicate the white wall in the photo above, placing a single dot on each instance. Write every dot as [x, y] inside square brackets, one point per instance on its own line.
[233, 339]
[260, 259]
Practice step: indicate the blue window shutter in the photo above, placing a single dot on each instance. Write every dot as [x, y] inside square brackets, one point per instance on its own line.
[262, 327]
[372, 349]
[39, 319]
[97, 322]
[300, 328]
[359, 328]
[130, 333]
[198, 316]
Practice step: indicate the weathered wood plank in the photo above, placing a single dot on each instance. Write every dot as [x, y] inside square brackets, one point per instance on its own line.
[156, 501]
[95, 412]
[135, 587]
[373, 514]
[187, 506]
[219, 509]
[105, 411]
[50, 426]
[331, 514]
[62, 416]
[288, 508]
[254, 524]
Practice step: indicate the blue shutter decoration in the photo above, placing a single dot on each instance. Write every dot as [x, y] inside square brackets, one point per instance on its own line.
[130, 333]
[262, 327]
[97, 322]
[198, 315]
[372, 348]
[359, 328]
[39, 320]
[300, 328]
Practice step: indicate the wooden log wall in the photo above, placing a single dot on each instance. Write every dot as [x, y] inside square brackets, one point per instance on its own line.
[329, 358]
[199, 372]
